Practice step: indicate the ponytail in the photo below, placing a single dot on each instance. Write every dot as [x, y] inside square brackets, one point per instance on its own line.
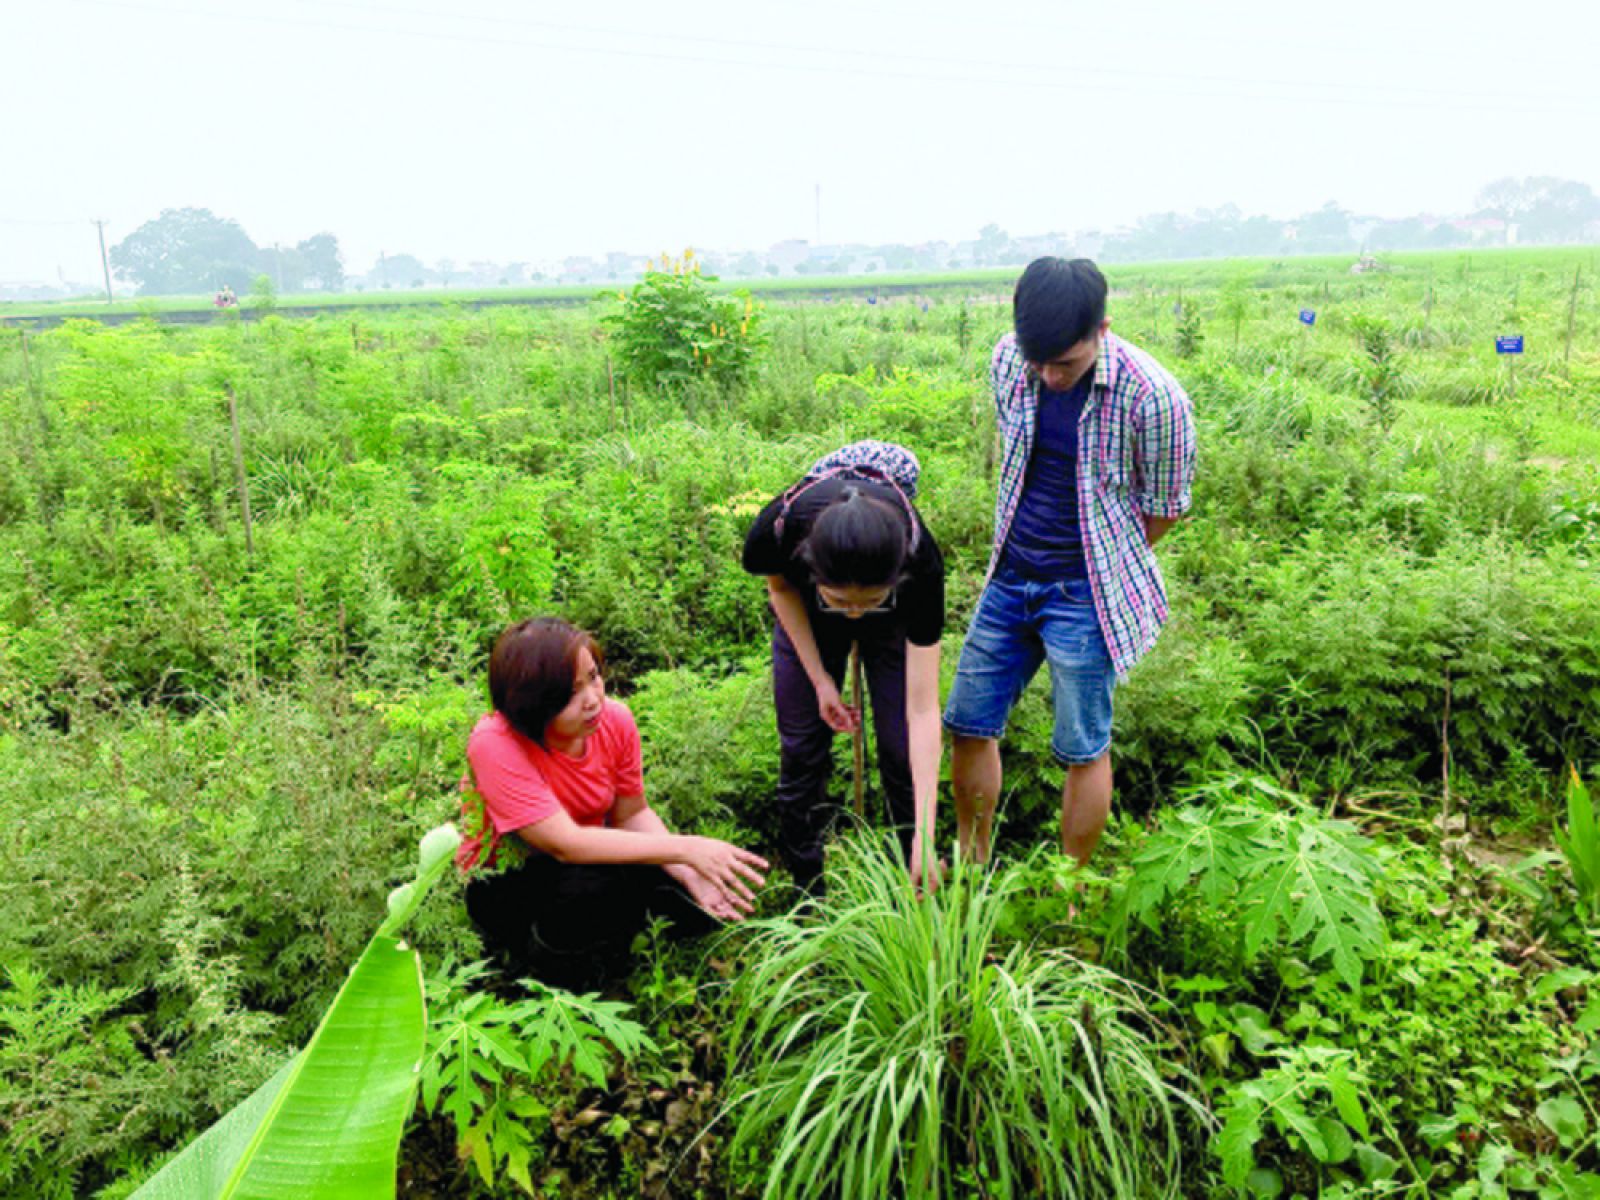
[857, 540]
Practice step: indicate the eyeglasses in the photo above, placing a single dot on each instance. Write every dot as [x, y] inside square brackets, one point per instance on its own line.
[883, 605]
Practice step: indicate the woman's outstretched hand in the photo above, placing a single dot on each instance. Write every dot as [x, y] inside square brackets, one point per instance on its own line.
[726, 869]
[840, 717]
[712, 898]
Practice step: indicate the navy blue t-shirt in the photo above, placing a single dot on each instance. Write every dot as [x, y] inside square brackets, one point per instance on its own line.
[1045, 541]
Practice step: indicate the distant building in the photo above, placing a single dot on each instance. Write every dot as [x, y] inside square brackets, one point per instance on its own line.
[580, 268]
[1491, 230]
[622, 265]
[789, 254]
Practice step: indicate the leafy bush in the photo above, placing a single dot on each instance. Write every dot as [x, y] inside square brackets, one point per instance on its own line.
[674, 332]
[1269, 868]
[886, 1044]
[70, 1069]
[488, 1057]
[710, 747]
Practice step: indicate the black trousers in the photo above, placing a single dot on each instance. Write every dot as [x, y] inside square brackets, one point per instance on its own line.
[571, 924]
[806, 810]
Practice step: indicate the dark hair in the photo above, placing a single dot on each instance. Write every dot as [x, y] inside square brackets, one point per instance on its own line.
[857, 540]
[533, 669]
[1057, 304]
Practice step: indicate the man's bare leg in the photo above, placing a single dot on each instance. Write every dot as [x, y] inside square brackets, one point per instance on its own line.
[975, 779]
[1085, 805]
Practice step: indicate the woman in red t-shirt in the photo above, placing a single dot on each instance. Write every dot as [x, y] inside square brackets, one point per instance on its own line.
[555, 781]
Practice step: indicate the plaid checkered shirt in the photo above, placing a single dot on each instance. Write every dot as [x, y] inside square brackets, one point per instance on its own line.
[1136, 455]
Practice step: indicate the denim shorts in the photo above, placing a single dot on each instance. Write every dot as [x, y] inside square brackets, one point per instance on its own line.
[1019, 624]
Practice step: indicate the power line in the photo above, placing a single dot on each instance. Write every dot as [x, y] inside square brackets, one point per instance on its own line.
[1037, 77]
[1008, 65]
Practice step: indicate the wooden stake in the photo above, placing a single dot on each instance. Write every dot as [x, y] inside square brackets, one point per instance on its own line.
[860, 736]
[27, 359]
[1572, 317]
[238, 472]
[611, 387]
[1444, 746]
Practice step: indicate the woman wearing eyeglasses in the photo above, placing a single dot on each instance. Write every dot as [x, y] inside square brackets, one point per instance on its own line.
[848, 559]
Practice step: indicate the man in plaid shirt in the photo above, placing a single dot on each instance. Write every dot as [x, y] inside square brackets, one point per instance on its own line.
[1099, 451]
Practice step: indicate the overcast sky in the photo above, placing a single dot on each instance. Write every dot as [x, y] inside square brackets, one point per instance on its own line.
[490, 129]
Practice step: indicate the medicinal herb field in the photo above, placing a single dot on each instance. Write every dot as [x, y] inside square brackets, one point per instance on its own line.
[1343, 938]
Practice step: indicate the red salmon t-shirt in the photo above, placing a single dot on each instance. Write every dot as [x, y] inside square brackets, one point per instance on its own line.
[521, 783]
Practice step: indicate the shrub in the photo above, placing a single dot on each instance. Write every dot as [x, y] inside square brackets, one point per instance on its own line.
[674, 332]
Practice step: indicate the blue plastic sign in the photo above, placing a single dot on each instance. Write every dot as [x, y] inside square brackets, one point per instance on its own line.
[1511, 344]
[1308, 316]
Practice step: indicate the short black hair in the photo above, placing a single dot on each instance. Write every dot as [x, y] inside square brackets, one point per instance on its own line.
[1057, 304]
[857, 540]
[533, 672]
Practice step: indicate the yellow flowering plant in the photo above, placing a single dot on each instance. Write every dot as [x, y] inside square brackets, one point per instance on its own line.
[673, 331]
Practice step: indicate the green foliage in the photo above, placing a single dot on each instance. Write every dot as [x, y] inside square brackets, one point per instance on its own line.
[487, 1057]
[328, 1123]
[1580, 845]
[711, 747]
[268, 732]
[1270, 867]
[70, 1067]
[1235, 307]
[1191, 332]
[1297, 1099]
[186, 250]
[674, 332]
[263, 294]
[887, 1043]
[1382, 373]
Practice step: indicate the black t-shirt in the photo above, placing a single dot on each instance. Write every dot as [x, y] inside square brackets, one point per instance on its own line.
[918, 601]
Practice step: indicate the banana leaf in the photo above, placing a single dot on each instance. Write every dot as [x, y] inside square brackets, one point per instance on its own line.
[328, 1124]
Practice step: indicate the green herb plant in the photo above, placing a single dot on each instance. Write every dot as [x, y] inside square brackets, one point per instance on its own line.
[886, 1044]
[490, 1062]
[1580, 846]
[1268, 865]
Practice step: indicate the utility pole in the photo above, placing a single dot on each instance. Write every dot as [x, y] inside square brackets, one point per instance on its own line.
[819, 215]
[277, 259]
[105, 263]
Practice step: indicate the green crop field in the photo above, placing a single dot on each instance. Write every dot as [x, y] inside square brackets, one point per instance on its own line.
[23, 312]
[1343, 938]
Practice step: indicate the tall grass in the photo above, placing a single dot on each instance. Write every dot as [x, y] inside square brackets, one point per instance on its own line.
[891, 1046]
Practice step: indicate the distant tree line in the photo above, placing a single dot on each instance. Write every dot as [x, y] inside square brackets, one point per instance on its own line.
[1538, 210]
[193, 250]
[187, 250]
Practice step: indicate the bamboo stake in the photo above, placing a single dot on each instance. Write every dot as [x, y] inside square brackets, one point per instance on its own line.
[27, 360]
[1572, 317]
[859, 738]
[611, 387]
[238, 473]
